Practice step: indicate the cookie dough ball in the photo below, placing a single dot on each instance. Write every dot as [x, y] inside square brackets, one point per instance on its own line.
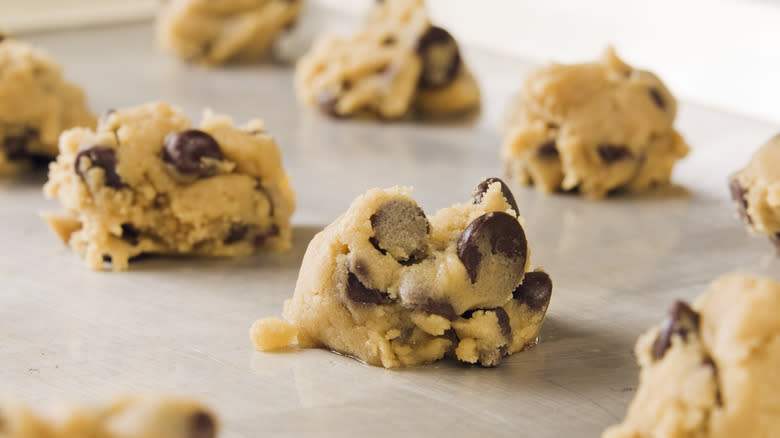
[393, 287]
[399, 62]
[127, 417]
[595, 127]
[147, 181]
[710, 371]
[36, 105]
[216, 32]
[756, 191]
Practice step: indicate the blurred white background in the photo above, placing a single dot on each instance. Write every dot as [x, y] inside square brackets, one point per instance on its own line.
[722, 53]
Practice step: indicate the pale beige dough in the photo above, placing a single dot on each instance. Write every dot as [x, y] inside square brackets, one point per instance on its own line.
[711, 371]
[390, 286]
[756, 190]
[125, 196]
[595, 127]
[216, 32]
[125, 417]
[36, 105]
[398, 64]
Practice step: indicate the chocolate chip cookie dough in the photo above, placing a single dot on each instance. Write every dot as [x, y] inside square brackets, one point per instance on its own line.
[595, 127]
[127, 417]
[146, 181]
[756, 191]
[398, 62]
[711, 370]
[36, 105]
[216, 32]
[393, 287]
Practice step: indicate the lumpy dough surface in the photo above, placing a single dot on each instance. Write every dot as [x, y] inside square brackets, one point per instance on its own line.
[756, 191]
[711, 370]
[397, 64]
[216, 32]
[126, 417]
[36, 105]
[595, 127]
[146, 181]
[393, 287]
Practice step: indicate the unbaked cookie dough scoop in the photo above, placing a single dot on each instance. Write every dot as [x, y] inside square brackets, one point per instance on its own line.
[398, 64]
[711, 370]
[756, 192]
[36, 105]
[594, 128]
[148, 182]
[390, 286]
[125, 417]
[217, 32]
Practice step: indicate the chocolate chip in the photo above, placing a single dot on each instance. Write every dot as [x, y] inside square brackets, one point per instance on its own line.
[130, 234]
[503, 322]
[437, 306]
[15, 146]
[548, 150]
[2, 37]
[361, 268]
[202, 425]
[440, 57]
[535, 290]
[388, 40]
[738, 195]
[611, 153]
[103, 157]
[327, 102]
[237, 232]
[402, 230]
[681, 321]
[482, 188]
[186, 151]
[262, 238]
[657, 98]
[359, 293]
[490, 235]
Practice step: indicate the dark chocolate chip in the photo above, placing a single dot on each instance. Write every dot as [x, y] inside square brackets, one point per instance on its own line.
[2, 37]
[130, 234]
[439, 306]
[483, 187]
[440, 57]
[503, 322]
[494, 233]
[15, 146]
[776, 240]
[388, 40]
[346, 84]
[738, 195]
[611, 153]
[237, 232]
[708, 362]
[186, 151]
[681, 321]
[548, 150]
[657, 98]
[103, 157]
[327, 101]
[361, 267]
[262, 238]
[402, 230]
[202, 425]
[359, 293]
[535, 290]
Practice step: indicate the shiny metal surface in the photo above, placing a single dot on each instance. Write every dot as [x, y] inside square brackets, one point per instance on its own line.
[181, 325]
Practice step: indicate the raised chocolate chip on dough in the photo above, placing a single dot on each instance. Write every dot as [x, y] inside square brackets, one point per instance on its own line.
[681, 321]
[479, 192]
[103, 157]
[402, 230]
[494, 244]
[190, 151]
[535, 290]
[359, 293]
[440, 58]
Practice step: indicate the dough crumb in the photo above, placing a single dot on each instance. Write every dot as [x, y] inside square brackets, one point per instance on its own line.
[273, 334]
